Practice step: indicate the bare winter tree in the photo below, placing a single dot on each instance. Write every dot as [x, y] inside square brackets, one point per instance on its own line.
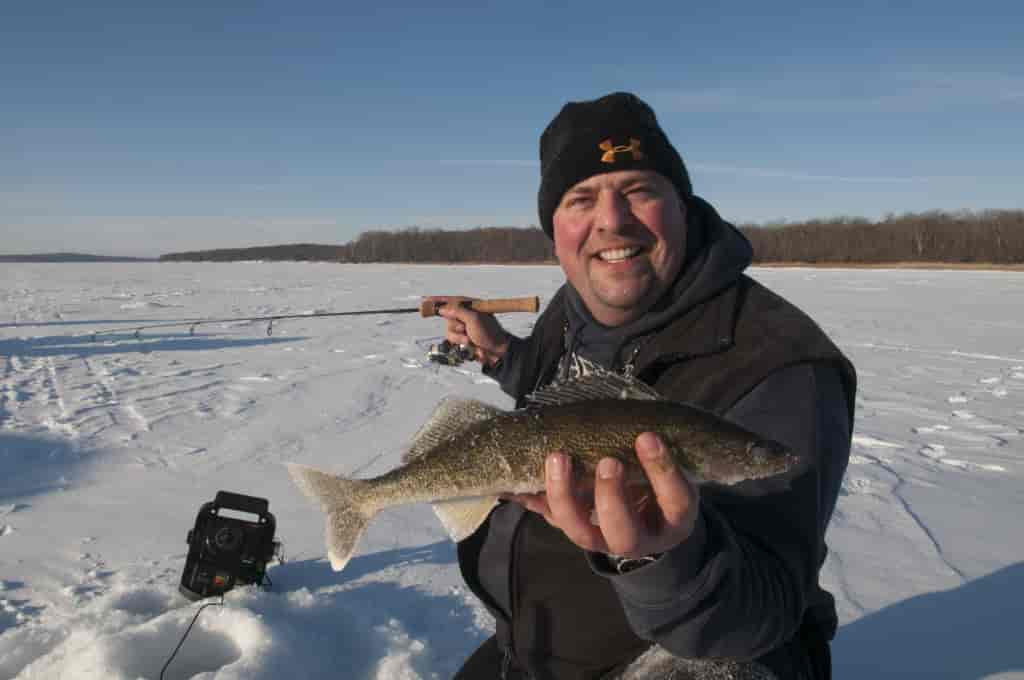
[992, 236]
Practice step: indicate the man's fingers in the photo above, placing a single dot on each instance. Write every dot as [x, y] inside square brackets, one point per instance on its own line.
[568, 512]
[534, 502]
[454, 310]
[675, 495]
[620, 527]
[476, 331]
[461, 324]
[457, 329]
[456, 326]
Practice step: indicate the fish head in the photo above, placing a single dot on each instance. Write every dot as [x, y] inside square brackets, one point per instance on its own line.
[770, 458]
[751, 460]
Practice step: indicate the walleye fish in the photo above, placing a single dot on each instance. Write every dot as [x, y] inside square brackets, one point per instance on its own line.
[469, 452]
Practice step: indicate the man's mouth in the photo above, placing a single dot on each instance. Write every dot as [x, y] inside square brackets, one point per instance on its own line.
[618, 254]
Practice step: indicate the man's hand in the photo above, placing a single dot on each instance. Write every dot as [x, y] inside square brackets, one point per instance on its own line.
[480, 333]
[628, 523]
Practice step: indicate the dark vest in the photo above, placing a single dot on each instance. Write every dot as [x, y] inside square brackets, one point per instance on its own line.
[567, 621]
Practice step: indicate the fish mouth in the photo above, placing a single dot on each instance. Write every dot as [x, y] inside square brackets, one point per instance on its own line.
[771, 458]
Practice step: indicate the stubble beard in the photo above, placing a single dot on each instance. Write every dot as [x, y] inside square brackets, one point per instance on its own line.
[625, 296]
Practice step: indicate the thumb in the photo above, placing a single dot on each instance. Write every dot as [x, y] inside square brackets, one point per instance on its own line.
[676, 496]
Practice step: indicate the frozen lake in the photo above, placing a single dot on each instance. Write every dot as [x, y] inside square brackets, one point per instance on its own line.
[108, 448]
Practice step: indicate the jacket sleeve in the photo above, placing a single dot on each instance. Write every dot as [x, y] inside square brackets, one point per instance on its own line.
[516, 374]
[510, 370]
[739, 586]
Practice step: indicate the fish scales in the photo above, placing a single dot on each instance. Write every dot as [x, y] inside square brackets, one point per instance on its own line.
[469, 453]
[507, 453]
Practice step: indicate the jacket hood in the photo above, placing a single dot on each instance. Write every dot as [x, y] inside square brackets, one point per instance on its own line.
[723, 255]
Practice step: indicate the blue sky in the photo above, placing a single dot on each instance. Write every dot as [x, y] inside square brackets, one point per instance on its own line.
[142, 128]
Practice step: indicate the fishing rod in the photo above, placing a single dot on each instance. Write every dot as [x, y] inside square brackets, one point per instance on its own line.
[427, 308]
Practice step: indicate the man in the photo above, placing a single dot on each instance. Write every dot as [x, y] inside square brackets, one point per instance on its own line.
[655, 289]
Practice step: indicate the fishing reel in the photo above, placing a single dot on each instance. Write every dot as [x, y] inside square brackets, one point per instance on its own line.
[449, 354]
[225, 551]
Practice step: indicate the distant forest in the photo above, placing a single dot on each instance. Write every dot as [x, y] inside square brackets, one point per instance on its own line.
[483, 244]
[990, 237]
[71, 257]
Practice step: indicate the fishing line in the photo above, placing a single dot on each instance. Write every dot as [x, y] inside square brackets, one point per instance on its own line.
[182, 641]
[279, 554]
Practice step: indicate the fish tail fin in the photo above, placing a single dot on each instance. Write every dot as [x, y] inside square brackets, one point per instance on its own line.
[340, 499]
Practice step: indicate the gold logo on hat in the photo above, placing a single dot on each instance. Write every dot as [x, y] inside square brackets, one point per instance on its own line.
[610, 150]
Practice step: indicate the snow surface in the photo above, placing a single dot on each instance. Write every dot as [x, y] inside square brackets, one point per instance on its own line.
[108, 449]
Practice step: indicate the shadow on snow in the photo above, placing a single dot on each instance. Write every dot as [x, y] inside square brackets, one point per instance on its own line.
[32, 465]
[971, 631]
[79, 322]
[83, 346]
[317, 573]
[347, 610]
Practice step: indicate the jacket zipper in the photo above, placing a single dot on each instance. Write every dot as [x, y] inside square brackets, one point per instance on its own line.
[506, 662]
[629, 367]
[509, 652]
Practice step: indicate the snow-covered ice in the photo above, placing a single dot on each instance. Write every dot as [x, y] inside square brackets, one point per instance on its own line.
[109, 447]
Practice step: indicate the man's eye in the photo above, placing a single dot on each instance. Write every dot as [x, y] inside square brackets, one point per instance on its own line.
[577, 202]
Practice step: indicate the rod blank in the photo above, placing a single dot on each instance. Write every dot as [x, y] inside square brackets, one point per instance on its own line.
[428, 307]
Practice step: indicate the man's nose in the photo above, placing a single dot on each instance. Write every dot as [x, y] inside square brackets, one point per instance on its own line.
[613, 211]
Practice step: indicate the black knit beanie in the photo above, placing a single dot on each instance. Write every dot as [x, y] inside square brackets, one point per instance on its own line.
[616, 132]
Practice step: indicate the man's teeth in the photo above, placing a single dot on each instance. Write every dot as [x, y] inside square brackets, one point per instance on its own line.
[617, 254]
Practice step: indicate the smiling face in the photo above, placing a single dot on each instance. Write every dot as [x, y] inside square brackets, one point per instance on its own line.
[620, 238]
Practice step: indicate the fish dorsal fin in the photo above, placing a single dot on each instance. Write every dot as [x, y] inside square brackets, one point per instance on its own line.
[596, 385]
[451, 417]
[463, 516]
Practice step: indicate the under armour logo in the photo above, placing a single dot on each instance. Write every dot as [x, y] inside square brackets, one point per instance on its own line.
[610, 150]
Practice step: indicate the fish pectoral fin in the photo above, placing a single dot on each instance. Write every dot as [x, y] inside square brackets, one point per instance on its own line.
[464, 516]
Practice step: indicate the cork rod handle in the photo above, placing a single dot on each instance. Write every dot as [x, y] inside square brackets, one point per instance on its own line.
[495, 306]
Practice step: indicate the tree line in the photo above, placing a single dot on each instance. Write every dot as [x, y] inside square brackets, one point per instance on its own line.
[991, 236]
[71, 257]
[414, 245]
[310, 252]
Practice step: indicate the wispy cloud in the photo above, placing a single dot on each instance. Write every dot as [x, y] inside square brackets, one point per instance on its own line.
[806, 176]
[704, 167]
[900, 92]
[468, 221]
[512, 162]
